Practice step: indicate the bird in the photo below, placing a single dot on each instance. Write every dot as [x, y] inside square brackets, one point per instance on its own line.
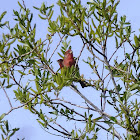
[69, 61]
[60, 62]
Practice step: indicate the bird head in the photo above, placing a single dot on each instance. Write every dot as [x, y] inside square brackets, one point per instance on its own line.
[69, 54]
[60, 62]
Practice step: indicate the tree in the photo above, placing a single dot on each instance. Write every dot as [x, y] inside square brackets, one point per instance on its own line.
[115, 81]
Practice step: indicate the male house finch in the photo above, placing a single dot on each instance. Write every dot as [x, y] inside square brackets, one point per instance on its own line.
[68, 61]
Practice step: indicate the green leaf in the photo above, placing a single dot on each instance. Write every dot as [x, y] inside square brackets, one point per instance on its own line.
[2, 15]
[14, 130]
[138, 126]
[136, 41]
[33, 91]
[50, 16]
[133, 87]
[83, 136]
[21, 72]
[89, 121]
[2, 116]
[41, 123]
[2, 129]
[104, 4]
[113, 119]
[16, 13]
[42, 99]
[128, 56]
[116, 42]
[44, 18]
[20, 5]
[35, 8]
[139, 58]
[11, 42]
[3, 82]
[7, 126]
[96, 119]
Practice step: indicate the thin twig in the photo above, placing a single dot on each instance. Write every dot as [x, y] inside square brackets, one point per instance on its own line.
[61, 38]
[24, 4]
[67, 133]
[6, 95]
[88, 101]
[56, 134]
[73, 104]
[91, 51]
[13, 108]
[59, 125]
[82, 36]
[116, 50]
[80, 54]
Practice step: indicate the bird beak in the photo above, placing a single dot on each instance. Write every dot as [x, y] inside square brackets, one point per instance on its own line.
[71, 51]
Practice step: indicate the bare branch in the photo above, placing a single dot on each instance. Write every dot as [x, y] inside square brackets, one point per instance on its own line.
[6, 95]
[80, 54]
[74, 104]
[116, 50]
[14, 108]
[61, 38]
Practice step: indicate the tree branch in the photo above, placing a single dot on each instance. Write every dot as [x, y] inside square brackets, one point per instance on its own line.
[6, 95]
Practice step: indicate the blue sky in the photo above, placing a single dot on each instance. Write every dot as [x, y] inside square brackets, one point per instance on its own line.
[22, 118]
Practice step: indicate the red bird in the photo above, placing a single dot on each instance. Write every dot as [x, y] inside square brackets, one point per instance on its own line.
[68, 61]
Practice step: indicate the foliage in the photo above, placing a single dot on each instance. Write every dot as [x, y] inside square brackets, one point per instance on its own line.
[117, 80]
[6, 132]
